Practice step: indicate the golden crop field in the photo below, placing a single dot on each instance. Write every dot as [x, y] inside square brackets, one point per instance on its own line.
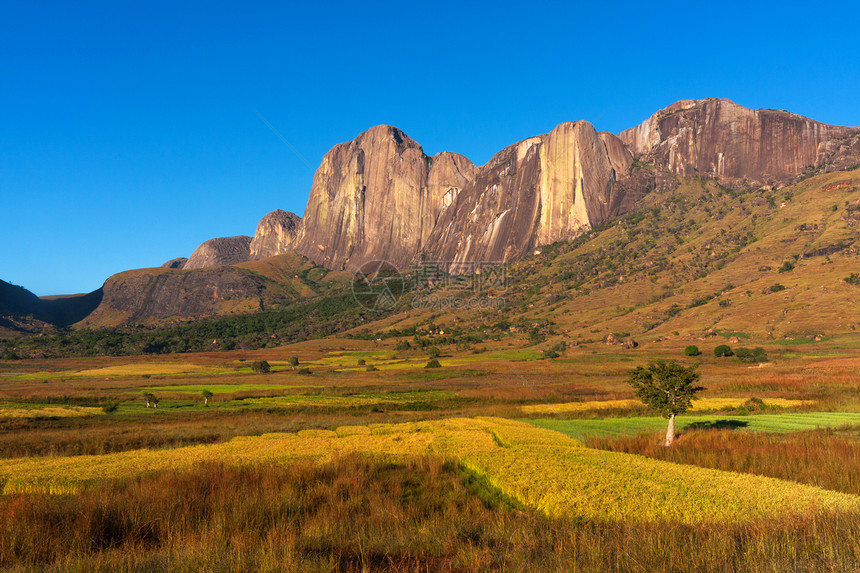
[48, 411]
[698, 405]
[541, 469]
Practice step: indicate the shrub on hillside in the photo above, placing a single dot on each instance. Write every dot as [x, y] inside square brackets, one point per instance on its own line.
[723, 350]
[261, 366]
[754, 403]
[692, 350]
[433, 364]
[751, 356]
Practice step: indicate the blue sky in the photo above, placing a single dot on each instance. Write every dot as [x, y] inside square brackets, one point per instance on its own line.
[130, 134]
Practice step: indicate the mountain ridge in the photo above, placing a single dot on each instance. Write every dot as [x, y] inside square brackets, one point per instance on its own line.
[380, 197]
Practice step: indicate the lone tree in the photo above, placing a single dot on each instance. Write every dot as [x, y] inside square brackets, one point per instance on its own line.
[667, 387]
[294, 361]
[206, 395]
[150, 398]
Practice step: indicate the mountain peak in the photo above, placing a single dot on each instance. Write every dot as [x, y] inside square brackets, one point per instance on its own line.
[719, 139]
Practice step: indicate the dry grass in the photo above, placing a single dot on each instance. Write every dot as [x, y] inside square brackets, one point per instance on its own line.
[355, 514]
[541, 469]
[48, 411]
[828, 458]
[702, 404]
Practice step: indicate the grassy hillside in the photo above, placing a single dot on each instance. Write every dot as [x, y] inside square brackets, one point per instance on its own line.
[696, 262]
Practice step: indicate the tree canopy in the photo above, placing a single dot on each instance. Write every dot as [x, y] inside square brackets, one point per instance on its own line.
[666, 387]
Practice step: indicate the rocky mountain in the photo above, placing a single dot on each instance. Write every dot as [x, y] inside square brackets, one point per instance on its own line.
[380, 197]
[157, 294]
[177, 263]
[276, 233]
[377, 197]
[220, 251]
[719, 139]
[541, 190]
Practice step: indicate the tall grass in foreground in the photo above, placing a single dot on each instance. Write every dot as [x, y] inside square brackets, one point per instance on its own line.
[825, 458]
[356, 514]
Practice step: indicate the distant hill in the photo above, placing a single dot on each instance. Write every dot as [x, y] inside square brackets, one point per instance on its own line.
[23, 311]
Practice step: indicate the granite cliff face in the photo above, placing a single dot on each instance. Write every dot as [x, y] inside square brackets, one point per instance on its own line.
[220, 251]
[720, 139]
[377, 197]
[275, 234]
[541, 190]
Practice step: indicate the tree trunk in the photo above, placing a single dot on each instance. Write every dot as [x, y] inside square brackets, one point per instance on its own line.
[205, 401]
[670, 431]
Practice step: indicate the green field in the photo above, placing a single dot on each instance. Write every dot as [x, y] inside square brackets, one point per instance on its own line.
[581, 429]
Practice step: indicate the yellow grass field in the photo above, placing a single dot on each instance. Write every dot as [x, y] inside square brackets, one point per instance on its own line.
[49, 411]
[698, 405]
[145, 368]
[539, 468]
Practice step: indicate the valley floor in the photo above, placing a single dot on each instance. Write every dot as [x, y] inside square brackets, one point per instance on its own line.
[367, 460]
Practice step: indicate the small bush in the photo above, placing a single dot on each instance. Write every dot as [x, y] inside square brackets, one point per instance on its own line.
[433, 364]
[362, 361]
[786, 267]
[371, 368]
[110, 408]
[434, 352]
[751, 356]
[692, 350]
[305, 371]
[853, 279]
[754, 403]
[550, 354]
[403, 345]
[723, 350]
[294, 361]
[261, 367]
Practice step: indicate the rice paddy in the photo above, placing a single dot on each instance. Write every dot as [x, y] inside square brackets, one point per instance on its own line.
[542, 469]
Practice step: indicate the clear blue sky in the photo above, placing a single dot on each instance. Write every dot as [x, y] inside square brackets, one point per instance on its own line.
[128, 134]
